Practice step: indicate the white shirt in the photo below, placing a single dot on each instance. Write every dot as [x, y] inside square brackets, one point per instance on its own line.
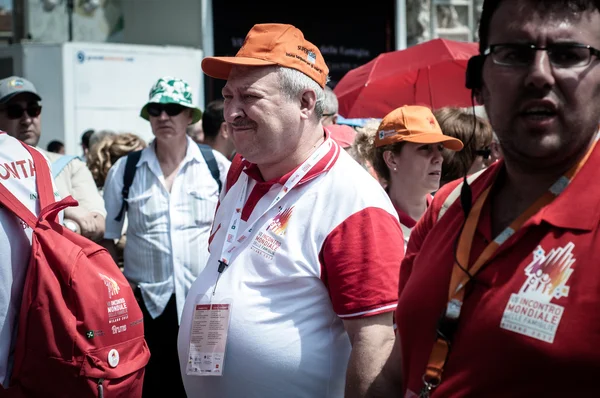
[167, 233]
[311, 261]
[18, 175]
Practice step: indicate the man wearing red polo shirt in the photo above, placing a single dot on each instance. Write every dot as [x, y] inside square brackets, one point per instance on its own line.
[499, 288]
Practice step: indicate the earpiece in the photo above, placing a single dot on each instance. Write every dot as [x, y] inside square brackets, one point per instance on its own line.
[473, 79]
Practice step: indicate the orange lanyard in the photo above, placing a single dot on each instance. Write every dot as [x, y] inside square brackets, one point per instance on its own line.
[462, 275]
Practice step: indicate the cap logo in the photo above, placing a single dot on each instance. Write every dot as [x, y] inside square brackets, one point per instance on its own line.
[17, 83]
[386, 133]
[431, 121]
[311, 56]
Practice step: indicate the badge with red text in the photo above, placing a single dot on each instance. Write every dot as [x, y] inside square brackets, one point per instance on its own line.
[208, 337]
[530, 311]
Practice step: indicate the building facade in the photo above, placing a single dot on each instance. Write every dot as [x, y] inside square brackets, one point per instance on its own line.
[348, 36]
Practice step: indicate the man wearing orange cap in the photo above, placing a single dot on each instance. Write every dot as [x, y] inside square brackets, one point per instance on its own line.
[299, 290]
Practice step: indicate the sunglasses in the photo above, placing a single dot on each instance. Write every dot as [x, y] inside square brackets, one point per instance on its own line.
[16, 111]
[170, 109]
[485, 153]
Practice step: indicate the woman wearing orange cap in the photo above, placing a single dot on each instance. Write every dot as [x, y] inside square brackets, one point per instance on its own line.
[406, 153]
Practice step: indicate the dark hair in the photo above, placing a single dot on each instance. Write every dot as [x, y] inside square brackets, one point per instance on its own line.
[490, 6]
[85, 138]
[55, 146]
[475, 134]
[212, 118]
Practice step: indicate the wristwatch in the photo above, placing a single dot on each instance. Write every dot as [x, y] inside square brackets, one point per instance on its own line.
[70, 224]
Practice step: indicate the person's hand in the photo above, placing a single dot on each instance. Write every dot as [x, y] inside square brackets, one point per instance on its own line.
[88, 225]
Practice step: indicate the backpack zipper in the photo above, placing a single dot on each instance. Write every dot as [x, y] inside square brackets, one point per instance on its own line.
[100, 388]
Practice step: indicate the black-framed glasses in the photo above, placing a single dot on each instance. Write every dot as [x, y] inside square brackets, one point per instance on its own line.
[485, 153]
[561, 55]
[156, 109]
[15, 111]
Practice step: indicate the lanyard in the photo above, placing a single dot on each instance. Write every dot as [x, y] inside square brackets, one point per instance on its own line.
[462, 275]
[233, 238]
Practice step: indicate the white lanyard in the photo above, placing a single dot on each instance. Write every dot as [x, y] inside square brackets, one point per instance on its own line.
[233, 238]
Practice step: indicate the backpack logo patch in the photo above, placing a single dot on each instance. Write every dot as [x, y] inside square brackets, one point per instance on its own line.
[111, 284]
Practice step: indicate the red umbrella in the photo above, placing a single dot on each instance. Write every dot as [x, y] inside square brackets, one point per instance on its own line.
[430, 74]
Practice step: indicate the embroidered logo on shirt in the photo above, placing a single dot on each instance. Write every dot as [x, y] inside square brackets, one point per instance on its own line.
[529, 312]
[280, 222]
[267, 245]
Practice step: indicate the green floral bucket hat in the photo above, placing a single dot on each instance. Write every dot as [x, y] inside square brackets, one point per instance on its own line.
[171, 90]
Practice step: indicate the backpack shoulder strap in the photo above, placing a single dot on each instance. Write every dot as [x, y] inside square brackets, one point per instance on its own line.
[130, 168]
[59, 164]
[455, 194]
[211, 162]
[44, 188]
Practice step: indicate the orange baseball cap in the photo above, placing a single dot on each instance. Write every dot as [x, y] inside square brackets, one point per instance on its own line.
[413, 123]
[272, 44]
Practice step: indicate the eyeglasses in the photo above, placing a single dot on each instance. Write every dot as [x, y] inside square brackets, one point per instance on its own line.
[14, 111]
[485, 153]
[327, 114]
[155, 109]
[561, 55]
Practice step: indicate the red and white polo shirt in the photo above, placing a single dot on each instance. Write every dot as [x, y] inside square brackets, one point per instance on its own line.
[329, 250]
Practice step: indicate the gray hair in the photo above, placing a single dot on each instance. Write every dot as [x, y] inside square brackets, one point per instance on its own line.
[293, 82]
[331, 105]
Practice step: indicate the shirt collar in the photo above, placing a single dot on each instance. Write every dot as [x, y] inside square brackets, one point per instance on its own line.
[407, 220]
[192, 153]
[321, 167]
[578, 207]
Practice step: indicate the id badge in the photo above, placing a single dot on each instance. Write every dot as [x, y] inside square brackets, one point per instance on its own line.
[208, 337]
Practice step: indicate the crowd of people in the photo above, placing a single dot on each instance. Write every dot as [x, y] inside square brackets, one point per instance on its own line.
[277, 249]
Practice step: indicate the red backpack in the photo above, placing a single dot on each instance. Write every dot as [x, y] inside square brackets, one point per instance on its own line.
[81, 331]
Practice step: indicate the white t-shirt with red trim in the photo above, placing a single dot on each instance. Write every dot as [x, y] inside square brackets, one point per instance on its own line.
[329, 250]
[17, 173]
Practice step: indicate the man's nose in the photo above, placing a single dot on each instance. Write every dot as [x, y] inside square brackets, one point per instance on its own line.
[25, 118]
[540, 73]
[233, 110]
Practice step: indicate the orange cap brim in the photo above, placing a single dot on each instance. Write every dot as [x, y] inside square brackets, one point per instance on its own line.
[220, 67]
[454, 144]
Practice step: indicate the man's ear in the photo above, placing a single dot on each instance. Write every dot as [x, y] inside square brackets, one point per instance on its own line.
[308, 101]
[223, 131]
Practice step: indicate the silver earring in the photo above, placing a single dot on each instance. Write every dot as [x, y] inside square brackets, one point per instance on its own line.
[395, 169]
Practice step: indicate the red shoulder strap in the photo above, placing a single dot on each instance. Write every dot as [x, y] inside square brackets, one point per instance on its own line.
[235, 169]
[44, 189]
[9, 201]
[43, 179]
